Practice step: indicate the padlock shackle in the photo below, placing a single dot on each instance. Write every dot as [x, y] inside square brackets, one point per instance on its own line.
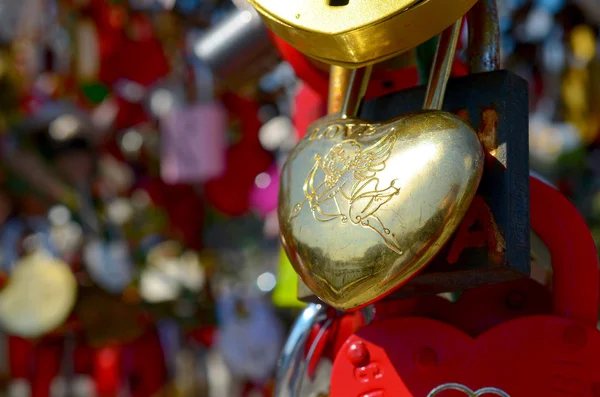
[358, 81]
[576, 287]
[292, 363]
[442, 67]
[483, 52]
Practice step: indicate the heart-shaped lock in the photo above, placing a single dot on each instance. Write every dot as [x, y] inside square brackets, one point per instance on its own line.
[343, 32]
[534, 355]
[364, 206]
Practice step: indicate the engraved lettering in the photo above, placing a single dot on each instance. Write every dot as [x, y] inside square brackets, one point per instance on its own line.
[329, 131]
[350, 130]
[332, 130]
[315, 134]
[343, 186]
[568, 385]
[358, 130]
[369, 373]
[564, 383]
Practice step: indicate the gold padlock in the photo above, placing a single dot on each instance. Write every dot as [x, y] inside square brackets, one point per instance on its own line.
[356, 33]
[364, 206]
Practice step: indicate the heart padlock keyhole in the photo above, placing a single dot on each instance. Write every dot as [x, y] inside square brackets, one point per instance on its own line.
[338, 3]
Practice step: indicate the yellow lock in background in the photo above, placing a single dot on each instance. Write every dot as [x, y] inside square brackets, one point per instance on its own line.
[285, 292]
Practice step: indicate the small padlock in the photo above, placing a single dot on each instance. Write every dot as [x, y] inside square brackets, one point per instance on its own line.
[365, 206]
[237, 50]
[542, 355]
[356, 33]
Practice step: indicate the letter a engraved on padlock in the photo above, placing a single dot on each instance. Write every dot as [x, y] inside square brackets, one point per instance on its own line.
[468, 392]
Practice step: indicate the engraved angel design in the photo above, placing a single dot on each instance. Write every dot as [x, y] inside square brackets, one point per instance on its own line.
[349, 190]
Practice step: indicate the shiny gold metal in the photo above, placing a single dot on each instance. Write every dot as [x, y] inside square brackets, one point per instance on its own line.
[441, 68]
[339, 78]
[364, 206]
[356, 33]
[357, 87]
[404, 60]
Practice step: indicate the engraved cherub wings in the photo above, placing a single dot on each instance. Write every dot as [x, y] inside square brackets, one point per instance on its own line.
[344, 184]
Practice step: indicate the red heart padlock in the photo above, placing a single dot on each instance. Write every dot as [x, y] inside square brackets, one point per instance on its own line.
[541, 355]
[480, 309]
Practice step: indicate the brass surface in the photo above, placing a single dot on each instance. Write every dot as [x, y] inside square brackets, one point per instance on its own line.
[339, 78]
[361, 32]
[442, 66]
[358, 82]
[363, 207]
[404, 60]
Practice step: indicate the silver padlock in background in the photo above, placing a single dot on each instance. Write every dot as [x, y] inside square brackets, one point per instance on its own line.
[236, 50]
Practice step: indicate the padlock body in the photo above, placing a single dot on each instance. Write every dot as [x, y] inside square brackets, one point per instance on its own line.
[530, 356]
[355, 33]
[495, 104]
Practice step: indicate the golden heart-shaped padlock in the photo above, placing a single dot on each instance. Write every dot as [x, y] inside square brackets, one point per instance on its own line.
[364, 206]
[355, 33]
